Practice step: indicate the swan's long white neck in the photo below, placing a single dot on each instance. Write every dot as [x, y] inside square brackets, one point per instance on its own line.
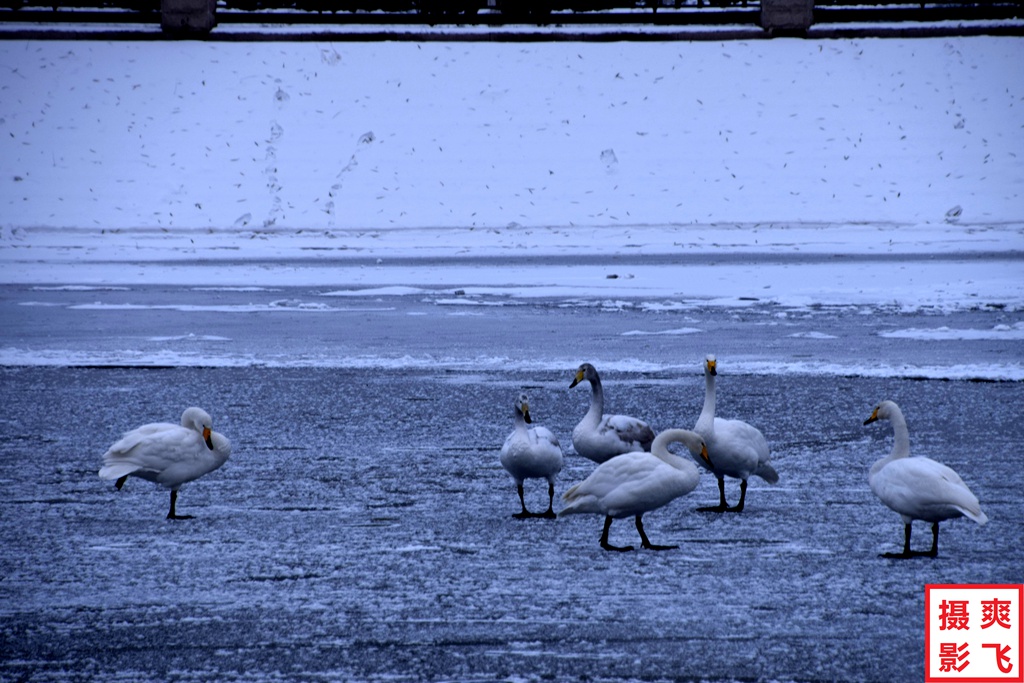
[659, 448]
[596, 402]
[706, 421]
[901, 440]
[520, 422]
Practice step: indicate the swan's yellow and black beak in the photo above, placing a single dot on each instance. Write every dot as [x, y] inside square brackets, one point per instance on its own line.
[713, 367]
[206, 438]
[576, 380]
[704, 454]
[874, 417]
[526, 413]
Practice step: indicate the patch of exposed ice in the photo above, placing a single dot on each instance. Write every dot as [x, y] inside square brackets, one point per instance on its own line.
[678, 330]
[375, 291]
[291, 305]
[1013, 332]
[190, 337]
[79, 288]
[812, 335]
[21, 357]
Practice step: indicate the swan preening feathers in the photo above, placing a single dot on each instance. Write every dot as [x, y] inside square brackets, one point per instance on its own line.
[531, 454]
[634, 483]
[737, 449]
[918, 488]
[600, 437]
[168, 454]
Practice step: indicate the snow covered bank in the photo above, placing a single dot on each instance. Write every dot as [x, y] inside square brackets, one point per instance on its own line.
[385, 135]
[277, 161]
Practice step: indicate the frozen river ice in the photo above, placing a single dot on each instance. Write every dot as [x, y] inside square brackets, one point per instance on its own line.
[362, 529]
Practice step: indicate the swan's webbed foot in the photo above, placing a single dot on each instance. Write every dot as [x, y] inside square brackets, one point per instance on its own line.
[604, 538]
[651, 546]
[172, 514]
[646, 542]
[619, 549]
[550, 512]
[722, 505]
[738, 507]
[524, 513]
[908, 553]
[897, 556]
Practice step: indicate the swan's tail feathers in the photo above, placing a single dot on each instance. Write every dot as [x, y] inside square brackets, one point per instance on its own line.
[578, 506]
[117, 470]
[568, 497]
[974, 513]
[577, 503]
[767, 472]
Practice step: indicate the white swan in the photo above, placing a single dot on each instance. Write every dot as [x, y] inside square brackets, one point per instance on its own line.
[918, 488]
[736, 448]
[531, 454]
[634, 483]
[601, 437]
[168, 454]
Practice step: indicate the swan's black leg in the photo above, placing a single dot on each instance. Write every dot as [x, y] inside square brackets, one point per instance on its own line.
[604, 537]
[550, 514]
[172, 514]
[645, 542]
[743, 497]
[906, 546]
[934, 552]
[120, 482]
[522, 501]
[722, 505]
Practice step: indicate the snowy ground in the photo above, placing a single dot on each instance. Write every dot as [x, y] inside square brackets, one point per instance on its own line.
[355, 255]
[362, 531]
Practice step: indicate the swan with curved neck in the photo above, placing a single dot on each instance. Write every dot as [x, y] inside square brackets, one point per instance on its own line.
[531, 454]
[631, 484]
[918, 487]
[737, 449]
[168, 454]
[601, 437]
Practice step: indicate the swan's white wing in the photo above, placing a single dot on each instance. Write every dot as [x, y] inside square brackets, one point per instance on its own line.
[629, 430]
[203, 461]
[117, 470]
[649, 490]
[628, 484]
[738, 449]
[170, 456]
[602, 481]
[510, 444]
[920, 488]
[544, 437]
[131, 439]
